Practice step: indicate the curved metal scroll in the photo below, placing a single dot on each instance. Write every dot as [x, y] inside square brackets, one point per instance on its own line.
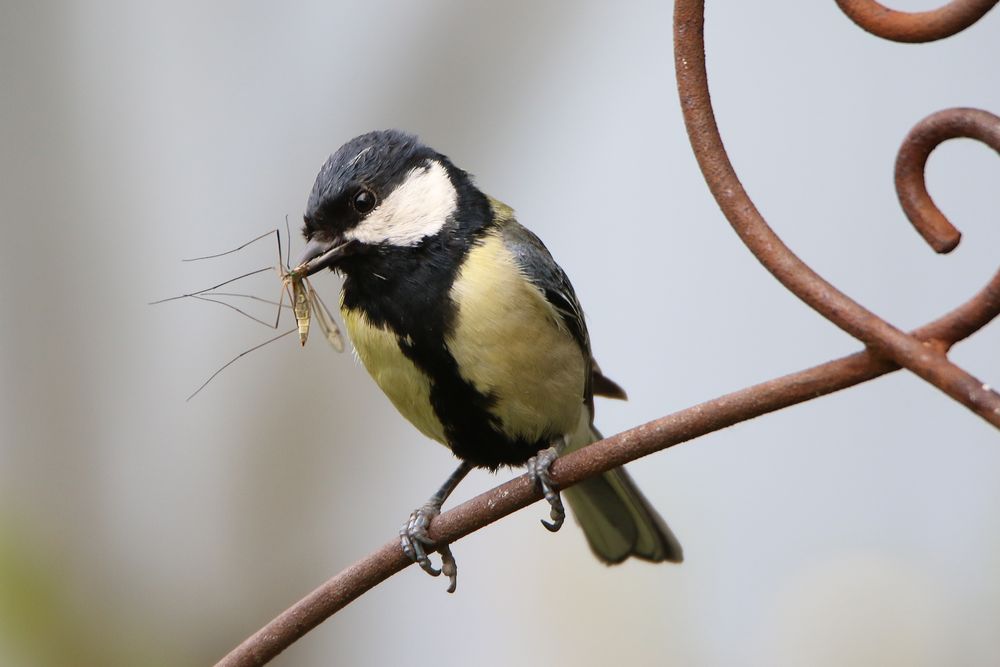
[923, 358]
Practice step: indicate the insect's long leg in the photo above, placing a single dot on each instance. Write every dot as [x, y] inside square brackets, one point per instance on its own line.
[281, 304]
[281, 270]
[202, 297]
[284, 269]
[213, 287]
[288, 251]
[277, 322]
[237, 358]
[229, 252]
[270, 302]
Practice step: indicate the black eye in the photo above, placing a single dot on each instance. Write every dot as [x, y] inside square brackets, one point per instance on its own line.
[363, 201]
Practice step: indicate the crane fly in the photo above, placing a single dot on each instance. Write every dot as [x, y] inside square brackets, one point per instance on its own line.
[303, 300]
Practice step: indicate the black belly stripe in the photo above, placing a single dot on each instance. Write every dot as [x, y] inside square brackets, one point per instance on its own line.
[407, 290]
[473, 433]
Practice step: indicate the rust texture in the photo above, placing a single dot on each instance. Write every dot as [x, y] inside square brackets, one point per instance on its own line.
[927, 26]
[939, 233]
[925, 360]
[886, 348]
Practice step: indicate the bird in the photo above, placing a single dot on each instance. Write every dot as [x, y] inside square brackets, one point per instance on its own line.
[474, 333]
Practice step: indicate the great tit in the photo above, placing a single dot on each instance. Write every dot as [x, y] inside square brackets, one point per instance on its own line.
[472, 330]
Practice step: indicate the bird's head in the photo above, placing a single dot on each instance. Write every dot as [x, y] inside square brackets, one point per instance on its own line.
[380, 189]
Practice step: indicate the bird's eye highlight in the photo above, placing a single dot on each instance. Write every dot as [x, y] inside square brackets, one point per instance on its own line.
[363, 201]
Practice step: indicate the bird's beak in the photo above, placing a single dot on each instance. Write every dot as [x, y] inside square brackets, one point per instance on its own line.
[319, 255]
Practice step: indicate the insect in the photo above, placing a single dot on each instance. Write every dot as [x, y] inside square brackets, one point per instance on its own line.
[306, 301]
[303, 300]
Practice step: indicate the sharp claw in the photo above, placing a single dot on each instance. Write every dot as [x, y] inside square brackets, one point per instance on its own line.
[425, 565]
[538, 467]
[449, 567]
[552, 526]
[558, 515]
[413, 540]
[424, 561]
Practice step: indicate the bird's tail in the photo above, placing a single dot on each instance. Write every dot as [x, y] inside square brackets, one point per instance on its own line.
[616, 518]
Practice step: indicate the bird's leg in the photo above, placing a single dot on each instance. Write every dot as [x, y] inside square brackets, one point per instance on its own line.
[538, 467]
[413, 536]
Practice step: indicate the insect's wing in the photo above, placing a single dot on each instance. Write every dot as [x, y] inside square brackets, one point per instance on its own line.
[325, 319]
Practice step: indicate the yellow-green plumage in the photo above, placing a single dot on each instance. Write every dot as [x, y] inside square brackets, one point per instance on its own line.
[510, 343]
[407, 386]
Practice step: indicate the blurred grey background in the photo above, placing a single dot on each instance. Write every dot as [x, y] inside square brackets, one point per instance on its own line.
[138, 529]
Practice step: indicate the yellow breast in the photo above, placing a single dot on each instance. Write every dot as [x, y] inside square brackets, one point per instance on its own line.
[406, 385]
[510, 343]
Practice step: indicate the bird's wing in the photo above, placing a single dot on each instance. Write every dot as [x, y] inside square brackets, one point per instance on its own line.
[542, 271]
[537, 263]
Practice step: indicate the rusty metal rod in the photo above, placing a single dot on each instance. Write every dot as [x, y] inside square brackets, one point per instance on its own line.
[913, 27]
[888, 341]
[911, 188]
[345, 587]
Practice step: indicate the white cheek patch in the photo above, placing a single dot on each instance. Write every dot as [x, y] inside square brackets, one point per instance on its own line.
[417, 208]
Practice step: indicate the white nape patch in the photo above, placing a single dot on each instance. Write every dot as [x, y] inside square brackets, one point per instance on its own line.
[416, 209]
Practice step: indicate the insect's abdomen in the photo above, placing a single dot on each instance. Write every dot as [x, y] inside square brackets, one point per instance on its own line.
[300, 306]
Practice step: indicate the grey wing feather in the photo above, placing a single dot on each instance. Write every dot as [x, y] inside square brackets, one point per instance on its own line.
[543, 272]
[538, 265]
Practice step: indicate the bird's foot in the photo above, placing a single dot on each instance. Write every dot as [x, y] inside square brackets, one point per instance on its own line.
[538, 467]
[415, 541]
